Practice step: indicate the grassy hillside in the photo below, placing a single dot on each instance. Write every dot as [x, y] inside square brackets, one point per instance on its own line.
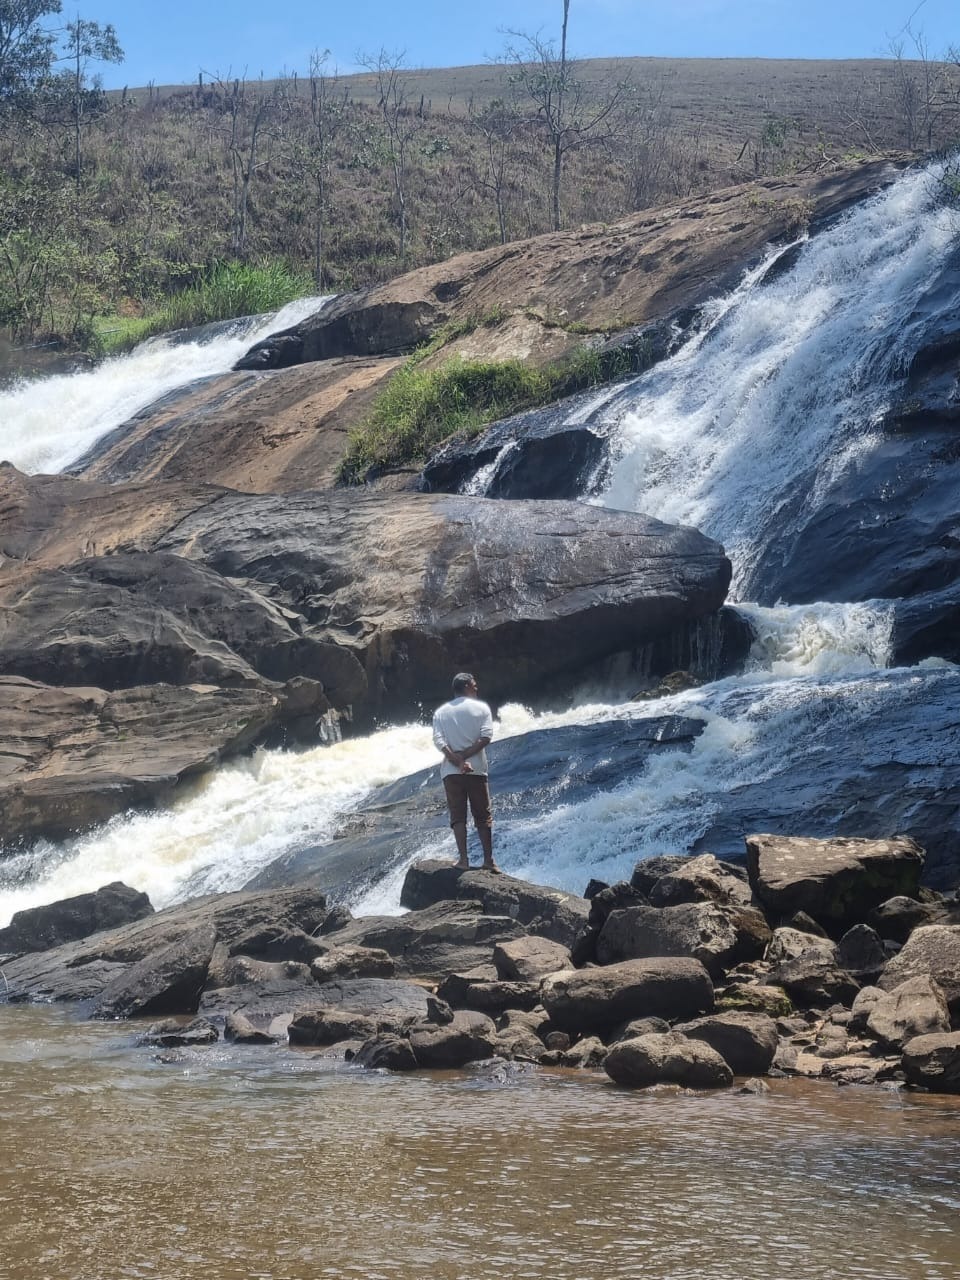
[175, 180]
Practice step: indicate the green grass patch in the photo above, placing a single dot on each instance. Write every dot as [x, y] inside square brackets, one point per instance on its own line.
[226, 291]
[420, 409]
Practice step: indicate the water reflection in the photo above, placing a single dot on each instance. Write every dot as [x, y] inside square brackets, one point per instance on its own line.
[281, 1165]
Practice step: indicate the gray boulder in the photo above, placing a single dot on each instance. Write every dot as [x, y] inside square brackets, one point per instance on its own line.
[667, 1059]
[469, 1037]
[332, 1026]
[933, 1062]
[240, 1030]
[790, 944]
[595, 1001]
[174, 1033]
[916, 1007]
[838, 881]
[717, 936]
[40, 928]
[747, 1042]
[930, 951]
[897, 918]
[169, 982]
[813, 981]
[385, 1052]
[701, 879]
[861, 952]
[541, 909]
[529, 959]
[353, 962]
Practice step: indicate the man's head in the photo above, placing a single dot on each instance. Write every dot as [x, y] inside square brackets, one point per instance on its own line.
[464, 683]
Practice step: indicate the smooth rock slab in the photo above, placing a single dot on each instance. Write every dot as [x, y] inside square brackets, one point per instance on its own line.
[594, 1001]
[667, 1059]
[838, 882]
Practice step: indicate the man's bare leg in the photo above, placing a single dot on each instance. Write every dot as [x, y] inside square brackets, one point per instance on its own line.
[460, 835]
[486, 844]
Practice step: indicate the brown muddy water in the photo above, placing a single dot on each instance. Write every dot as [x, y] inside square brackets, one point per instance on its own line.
[278, 1164]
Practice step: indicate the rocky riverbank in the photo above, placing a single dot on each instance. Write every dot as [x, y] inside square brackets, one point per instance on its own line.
[823, 959]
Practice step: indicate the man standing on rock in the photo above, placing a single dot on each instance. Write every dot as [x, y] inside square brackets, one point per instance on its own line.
[462, 729]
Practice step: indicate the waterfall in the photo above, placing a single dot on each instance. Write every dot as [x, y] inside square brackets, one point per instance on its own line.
[779, 392]
[783, 390]
[46, 424]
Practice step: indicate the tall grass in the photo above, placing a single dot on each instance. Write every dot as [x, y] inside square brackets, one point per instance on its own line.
[228, 290]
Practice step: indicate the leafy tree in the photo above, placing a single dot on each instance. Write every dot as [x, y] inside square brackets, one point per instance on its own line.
[27, 47]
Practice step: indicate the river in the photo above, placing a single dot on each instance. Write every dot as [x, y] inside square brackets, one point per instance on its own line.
[276, 1164]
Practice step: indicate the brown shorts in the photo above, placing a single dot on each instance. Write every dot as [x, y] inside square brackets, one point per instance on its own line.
[461, 787]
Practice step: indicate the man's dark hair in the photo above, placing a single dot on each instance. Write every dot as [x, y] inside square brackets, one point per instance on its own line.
[462, 681]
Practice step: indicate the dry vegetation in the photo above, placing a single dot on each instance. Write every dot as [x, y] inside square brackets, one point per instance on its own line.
[337, 179]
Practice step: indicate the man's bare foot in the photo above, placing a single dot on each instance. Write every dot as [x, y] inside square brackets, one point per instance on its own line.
[492, 868]
[462, 865]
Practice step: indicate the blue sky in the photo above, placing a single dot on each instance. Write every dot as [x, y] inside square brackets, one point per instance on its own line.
[170, 41]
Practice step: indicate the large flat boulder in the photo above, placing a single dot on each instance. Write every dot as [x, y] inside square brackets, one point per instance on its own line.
[417, 585]
[838, 882]
[74, 757]
[588, 1001]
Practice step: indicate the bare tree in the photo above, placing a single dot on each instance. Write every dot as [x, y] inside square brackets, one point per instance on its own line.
[571, 116]
[248, 110]
[400, 123]
[498, 124]
[328, 112]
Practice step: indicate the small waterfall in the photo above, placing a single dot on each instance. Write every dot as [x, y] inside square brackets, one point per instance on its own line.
[48, 423]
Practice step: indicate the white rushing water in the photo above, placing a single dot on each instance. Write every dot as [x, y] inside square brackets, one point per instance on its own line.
[782, 385]
[789, 380]
[46, 424]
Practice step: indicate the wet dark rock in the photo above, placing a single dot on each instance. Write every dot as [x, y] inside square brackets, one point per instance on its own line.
[837, 881]
[804, 923]
[589, 1001]
[70, 919]
[861, 952]
[175, 1033]
[438, 1011]
[468, 1037]
[167, 982]
[933, 1062]
[351, 324]
[240, 1030]
[747, 1042]
[338, 917]
[667, 1059]
[386, 1052]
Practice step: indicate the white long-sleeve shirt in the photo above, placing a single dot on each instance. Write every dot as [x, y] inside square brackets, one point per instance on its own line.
[458, 724]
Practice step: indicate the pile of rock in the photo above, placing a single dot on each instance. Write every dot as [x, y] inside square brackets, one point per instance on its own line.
[823, 958]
